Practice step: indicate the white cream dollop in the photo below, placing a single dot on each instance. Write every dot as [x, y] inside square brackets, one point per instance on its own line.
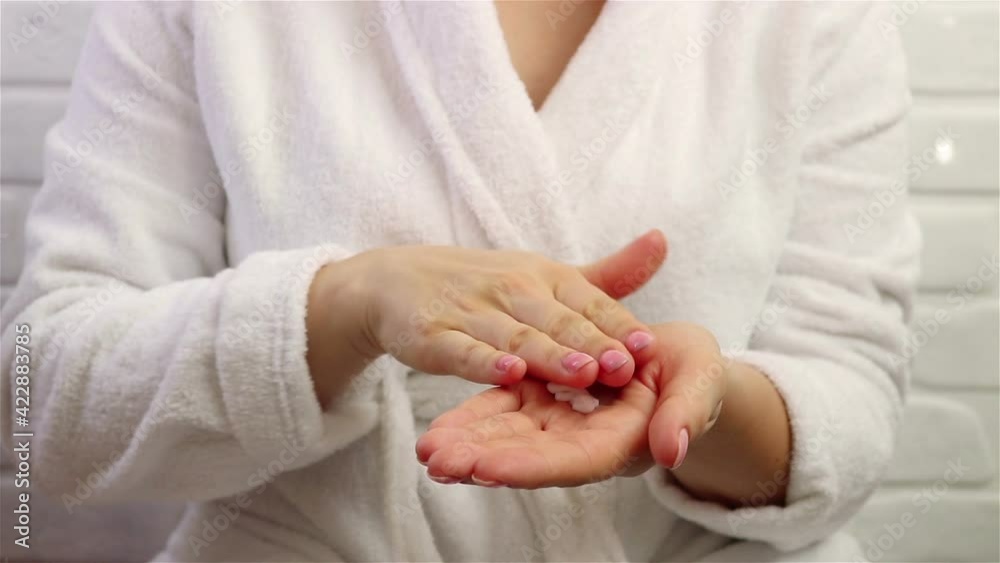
[579, 399]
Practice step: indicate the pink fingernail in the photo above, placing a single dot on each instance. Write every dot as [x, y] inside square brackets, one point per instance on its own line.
[638, 340]
[612, 360]
[575, 361]
[484, 483]
[682, 448]
[504, 363]
[444, 480]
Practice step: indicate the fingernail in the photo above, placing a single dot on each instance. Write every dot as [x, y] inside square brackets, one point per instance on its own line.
[444, 480]
[638, 340]
[612, 360]
[483, 483]
[575, 361]
[682, 448]
[504, 363]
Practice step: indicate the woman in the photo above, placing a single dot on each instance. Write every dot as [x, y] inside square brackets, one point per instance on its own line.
[224, 308]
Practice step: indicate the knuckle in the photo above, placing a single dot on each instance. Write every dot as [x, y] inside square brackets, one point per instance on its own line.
[561, 324]
[504, 287]
[586, 334]
[555, 353]
[499, 288]
[621, 326]
[470, 352]
[425, 330]
[519, 338]
[432, 361]
[465, 304]
[594, 310]
[519, 282]
[594, 332]
[467, 359]
[497, 295]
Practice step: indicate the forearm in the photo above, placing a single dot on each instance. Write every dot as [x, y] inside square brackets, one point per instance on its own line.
[338, 347]
[748, 450]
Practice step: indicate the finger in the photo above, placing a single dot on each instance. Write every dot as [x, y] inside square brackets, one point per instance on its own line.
[545, 358]
[453, 456]
[455, 353]
[454, 463]
[625, 271]
[688, 407]
[483, 405]
[612, 320]
[501, 427]
[551, 463]
[568, 327]
[437, 439]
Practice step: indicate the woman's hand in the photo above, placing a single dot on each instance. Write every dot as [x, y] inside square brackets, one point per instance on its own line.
[519, 436]
[488, 316]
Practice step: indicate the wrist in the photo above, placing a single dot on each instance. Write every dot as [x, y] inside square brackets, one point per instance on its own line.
[732, 404]
[338, 346]
[345, 302]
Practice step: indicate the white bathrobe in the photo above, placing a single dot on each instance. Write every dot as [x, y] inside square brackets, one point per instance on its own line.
[213, 157]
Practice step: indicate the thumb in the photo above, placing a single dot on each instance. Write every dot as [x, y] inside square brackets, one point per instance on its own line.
[628, 269]
[689, 403]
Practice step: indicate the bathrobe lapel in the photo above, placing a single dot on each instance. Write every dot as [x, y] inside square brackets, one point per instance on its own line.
[468, 99]
[615, 71]
[508, 166]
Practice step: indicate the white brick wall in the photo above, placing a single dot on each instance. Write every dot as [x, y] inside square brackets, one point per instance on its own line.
[921, 513]
[924, 511]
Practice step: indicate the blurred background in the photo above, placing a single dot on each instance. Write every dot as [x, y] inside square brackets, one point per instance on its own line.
[945, 472]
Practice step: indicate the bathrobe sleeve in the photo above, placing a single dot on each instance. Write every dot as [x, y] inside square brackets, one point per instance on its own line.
[157, 371]
[841, 296]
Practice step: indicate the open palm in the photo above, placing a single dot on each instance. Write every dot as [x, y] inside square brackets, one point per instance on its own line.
[520, 436]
